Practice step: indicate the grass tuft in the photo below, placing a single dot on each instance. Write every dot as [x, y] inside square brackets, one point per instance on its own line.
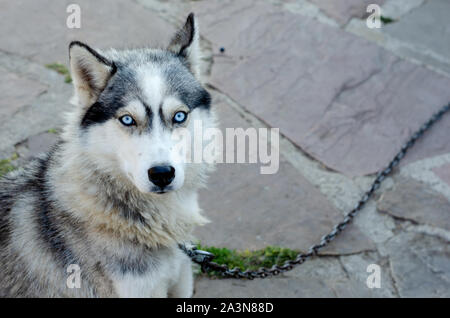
[386, 20]
[247, 259]
[60, 69]
[6, 166]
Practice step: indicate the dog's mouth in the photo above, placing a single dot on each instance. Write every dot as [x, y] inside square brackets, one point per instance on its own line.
[159, 190]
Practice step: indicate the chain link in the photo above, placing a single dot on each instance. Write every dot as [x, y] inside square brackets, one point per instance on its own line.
[205, 258]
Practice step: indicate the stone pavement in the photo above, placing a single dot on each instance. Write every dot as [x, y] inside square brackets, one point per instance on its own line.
[345, 98]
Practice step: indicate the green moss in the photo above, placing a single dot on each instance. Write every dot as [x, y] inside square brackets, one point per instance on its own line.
[52, 131]
[61, 69]
[247, 259]
[6, 166]
[386, 20]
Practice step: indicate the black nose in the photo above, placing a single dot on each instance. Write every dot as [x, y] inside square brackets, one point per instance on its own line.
[161, 175]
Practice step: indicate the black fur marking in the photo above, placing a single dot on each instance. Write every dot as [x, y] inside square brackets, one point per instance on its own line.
[161, 116]
[149, 113]
[99, 113]
[50, 232]
[135, 266]
[199, 98]
[6, 201]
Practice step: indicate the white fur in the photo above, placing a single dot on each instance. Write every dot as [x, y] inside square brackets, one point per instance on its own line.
[175, 279]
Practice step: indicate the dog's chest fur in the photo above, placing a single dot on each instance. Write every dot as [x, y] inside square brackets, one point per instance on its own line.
[149, 279]
[149, 275]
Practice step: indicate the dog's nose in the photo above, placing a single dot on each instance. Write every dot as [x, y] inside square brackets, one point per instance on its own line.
[161, 175]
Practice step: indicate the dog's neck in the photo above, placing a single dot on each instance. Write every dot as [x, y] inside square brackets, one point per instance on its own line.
[113, 207]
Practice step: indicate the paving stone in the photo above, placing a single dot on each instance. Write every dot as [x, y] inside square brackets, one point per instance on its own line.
[35, 145]
[14, 94]
[443, 172]
[420, 265]
[395, 9]
[337, 96]
[343, 11]
[270, 287]
[41, 110]
[38, 30]
[315, 278]
[250, 211]
[415, 201]
[415, 53]
[319, 277]
[425, 28]
[356, 268]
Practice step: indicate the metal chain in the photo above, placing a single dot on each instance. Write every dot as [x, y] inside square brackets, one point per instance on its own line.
[205, 258]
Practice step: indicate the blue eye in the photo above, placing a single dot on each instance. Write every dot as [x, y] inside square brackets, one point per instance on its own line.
[179, 117]
[127, 120]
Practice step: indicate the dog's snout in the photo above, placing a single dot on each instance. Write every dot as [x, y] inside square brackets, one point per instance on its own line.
[161, 176]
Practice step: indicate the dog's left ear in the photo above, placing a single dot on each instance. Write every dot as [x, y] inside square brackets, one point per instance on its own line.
[185, 43]
[90, 72]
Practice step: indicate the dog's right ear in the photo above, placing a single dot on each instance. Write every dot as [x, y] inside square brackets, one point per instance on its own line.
[186, 43]
[90, 72]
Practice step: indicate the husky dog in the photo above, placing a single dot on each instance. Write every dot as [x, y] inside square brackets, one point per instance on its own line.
[111, 202]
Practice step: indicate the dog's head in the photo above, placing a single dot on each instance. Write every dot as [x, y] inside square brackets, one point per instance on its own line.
[130, 104]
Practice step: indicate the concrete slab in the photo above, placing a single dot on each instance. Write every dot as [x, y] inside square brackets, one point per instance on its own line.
[337, 96]
[425, 28]
[356, 266]
[270, 288]
[315, 278]
[415, 201]
[14, 96]
[44, 37]
[39, 98]
[35, 145]
[396, 9]
[443, 172]
[319, 277]
[343, 11]
[420, 265]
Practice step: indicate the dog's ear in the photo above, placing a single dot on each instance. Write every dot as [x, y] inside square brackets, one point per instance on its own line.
[90, 72]
[185, 43]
